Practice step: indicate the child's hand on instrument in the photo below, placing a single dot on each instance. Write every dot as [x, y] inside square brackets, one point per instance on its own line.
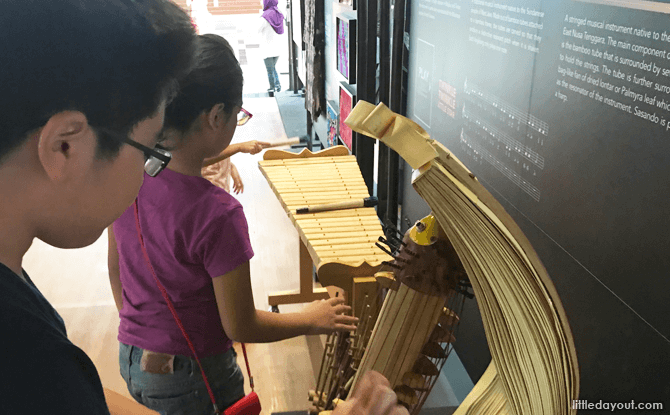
[238, 185]
[373, 396]
[253, 147]
[328, 316]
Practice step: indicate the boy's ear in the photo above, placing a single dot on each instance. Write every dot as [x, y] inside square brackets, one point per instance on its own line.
[62, 142]
[216, 115]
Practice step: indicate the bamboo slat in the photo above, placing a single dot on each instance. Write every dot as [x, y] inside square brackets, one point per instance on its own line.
[394, 332]
[424, 328]
[416, 313]
[381, 321]
[487, 397]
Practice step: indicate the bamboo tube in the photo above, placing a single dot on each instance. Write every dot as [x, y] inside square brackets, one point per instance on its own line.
[428, 321]
[386, 321]
[393, 332]
[405, 333]
[383, 314]
[415, 325]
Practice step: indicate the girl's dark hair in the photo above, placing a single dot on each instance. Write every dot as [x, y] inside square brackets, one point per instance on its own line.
[215, 77]
[112, 60]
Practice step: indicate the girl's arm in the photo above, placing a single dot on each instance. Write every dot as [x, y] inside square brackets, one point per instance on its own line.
[242, 322]
[238, 184]
[251, 147]
[229, 151]
[113, 267]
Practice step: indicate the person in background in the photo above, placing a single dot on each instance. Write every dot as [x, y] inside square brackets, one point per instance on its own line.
[271, 28]
[220, 169]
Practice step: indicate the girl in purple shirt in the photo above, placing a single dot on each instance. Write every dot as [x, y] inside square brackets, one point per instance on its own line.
[197, 239]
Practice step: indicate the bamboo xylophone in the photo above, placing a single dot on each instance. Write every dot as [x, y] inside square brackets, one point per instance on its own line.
[341, 244]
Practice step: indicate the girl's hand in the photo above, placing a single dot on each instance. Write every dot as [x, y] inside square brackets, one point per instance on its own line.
[373, 396]
[328, 316]
[238, 185]
[253, 147]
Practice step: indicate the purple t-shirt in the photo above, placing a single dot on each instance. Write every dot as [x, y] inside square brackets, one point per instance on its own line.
[193, 232]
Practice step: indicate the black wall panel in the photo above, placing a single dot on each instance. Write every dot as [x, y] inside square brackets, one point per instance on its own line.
[561, 109]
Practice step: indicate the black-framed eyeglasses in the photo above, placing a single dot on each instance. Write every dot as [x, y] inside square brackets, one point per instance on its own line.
[155, 159]
[243, 116]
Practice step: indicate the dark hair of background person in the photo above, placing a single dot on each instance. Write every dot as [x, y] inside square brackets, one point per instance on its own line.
[113, 60]
[215, 77]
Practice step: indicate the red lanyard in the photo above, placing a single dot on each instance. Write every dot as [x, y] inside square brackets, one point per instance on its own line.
[176, 317]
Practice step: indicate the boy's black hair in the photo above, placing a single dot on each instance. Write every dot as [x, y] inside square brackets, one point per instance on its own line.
[113, 60]
[215, 77]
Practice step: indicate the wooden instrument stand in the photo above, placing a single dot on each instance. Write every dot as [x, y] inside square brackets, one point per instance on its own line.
[307, 293]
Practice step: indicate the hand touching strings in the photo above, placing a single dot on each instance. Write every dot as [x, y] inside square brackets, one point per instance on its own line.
[328, 315]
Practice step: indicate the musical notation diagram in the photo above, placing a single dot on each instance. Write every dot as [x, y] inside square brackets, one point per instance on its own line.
[506, 110]
[504, 136]
[476, 151]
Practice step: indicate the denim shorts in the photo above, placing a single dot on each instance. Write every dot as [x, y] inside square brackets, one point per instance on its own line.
[184, 391]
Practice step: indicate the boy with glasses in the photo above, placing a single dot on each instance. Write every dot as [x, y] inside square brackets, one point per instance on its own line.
[79, 78]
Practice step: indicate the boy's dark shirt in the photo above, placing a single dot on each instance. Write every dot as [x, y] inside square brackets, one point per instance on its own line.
[42, 371]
